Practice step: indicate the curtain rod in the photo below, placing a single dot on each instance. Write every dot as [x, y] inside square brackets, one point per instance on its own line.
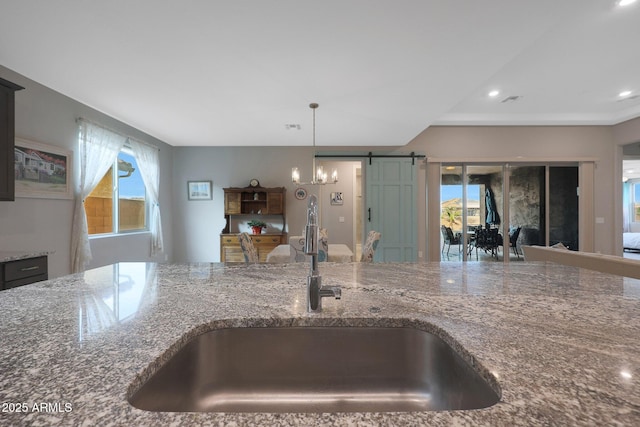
[82, 119]
[413, 156]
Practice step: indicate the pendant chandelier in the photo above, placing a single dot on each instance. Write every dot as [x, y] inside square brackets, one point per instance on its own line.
[320, 177]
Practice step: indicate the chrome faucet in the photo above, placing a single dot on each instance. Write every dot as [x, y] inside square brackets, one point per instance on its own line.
[315, 290]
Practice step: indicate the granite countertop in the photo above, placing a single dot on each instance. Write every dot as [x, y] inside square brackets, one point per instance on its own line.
[561, 342]
[6, 256]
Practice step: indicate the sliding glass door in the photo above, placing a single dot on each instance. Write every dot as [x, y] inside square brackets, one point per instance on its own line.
[563, 206]
[451, 218]
[468, 204]
[527, 207]
[478, 224]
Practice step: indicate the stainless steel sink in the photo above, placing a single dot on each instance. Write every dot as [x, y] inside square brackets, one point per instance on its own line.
[315, 369]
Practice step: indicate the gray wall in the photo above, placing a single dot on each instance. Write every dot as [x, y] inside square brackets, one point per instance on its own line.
[198, 224]
[31, 224]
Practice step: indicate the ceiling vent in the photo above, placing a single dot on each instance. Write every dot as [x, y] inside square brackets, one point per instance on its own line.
[628, 98]
[512, 98]
[292, 126]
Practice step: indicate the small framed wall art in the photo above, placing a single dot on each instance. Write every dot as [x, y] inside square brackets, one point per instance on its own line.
[42, 170]
[336, 198]
[199, 190]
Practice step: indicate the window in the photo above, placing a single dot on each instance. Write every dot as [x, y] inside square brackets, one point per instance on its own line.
[118, 204]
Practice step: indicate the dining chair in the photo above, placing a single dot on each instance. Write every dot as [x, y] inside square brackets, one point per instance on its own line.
[296, 247]
[323, 245]
[488, 240]
[513, 241]
[370, 246]
[450, 239]
[248, 249]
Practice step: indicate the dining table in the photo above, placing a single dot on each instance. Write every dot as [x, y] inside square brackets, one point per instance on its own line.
[337, 252]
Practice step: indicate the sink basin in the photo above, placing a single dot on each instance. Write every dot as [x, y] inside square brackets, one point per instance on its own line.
[315, 369]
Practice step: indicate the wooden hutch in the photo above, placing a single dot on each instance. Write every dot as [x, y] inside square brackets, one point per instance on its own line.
[253, 202]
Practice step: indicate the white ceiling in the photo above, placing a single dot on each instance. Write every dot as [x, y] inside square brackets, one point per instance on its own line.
[212, 72]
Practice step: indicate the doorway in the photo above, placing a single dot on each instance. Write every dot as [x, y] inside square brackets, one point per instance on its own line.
[631, 202]
[388, 187]
[342, 216]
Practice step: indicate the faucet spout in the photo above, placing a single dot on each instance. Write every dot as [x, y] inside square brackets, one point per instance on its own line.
[315, 290]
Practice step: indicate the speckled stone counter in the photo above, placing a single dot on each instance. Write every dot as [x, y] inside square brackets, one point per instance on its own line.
[6, 256]
[562, 343]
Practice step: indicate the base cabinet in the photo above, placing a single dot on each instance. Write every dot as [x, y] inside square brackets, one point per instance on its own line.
[230, 250]
[23, 272]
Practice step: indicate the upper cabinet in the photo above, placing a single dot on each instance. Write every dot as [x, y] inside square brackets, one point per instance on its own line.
[275, 202]
[254, 201]
[7, 139]
[246, 203]
[232, 203]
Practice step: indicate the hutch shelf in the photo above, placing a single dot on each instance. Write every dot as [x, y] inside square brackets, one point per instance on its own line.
[244, 204]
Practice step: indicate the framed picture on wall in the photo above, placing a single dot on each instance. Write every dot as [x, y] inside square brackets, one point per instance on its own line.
[42, 170]
[199, 190]
[336, 198]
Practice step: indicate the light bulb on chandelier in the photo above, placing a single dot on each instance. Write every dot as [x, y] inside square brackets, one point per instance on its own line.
[320, 177]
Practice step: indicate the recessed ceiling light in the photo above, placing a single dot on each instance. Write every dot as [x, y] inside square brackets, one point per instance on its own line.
[494, 93]
[624, 93]
[626, 2]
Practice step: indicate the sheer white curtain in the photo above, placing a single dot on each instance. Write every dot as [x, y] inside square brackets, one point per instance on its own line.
[148, 159]
[99, 148]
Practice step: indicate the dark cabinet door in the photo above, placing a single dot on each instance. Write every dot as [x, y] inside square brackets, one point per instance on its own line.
[7, 135]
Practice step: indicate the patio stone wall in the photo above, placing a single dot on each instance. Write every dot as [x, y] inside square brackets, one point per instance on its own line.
[526, 209]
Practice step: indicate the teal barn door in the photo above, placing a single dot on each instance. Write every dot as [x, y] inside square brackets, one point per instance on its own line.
[390, 196]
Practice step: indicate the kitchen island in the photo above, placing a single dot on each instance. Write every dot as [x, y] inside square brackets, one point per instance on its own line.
[561, 344]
